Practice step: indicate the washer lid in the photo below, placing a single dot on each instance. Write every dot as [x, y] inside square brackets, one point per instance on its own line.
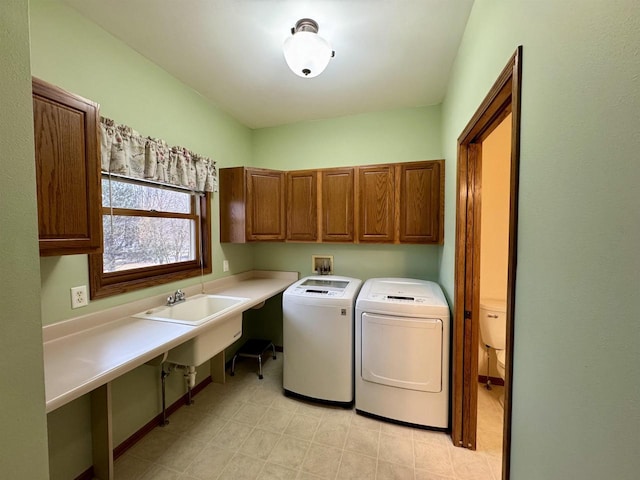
[321, 282]
[325, 286]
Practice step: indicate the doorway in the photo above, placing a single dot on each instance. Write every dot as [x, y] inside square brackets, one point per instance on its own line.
[502, 100]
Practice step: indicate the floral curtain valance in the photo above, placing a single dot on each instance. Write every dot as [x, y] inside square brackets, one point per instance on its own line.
[126, 152]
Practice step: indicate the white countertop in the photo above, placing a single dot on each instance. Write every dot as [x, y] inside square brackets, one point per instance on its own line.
[86, 352]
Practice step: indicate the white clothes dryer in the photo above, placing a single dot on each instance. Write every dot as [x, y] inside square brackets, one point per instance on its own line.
[402, 352]
[318, 334]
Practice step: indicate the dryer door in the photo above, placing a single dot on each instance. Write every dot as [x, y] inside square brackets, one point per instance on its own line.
[402, 352]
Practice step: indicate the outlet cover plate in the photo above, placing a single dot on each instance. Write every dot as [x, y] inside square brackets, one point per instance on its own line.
[79, 297]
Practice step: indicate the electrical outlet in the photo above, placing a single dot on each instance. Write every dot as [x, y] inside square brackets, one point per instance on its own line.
[79, 297]
[225, 265]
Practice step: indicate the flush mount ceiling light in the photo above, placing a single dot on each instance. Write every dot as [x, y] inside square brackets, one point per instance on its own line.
[307, 53]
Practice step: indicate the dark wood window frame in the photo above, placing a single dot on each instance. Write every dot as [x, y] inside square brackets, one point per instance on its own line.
[103, 284]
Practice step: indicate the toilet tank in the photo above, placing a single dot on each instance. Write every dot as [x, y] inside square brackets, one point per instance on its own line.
[493, 323]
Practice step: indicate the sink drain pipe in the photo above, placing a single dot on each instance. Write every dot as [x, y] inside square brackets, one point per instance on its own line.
[163, 377]
[190, 380]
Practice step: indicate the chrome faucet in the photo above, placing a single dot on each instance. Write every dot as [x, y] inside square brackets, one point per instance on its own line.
[177, 297]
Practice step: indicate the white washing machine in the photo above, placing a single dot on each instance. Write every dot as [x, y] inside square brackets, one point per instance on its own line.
[318, 337]
[402, 352]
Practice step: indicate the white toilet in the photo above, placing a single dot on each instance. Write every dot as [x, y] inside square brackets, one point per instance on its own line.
[493, 328]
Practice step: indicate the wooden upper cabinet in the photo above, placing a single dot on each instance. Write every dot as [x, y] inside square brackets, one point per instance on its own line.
[302, 206]
[376, 203]
[67, 156]
[337, 205]
[420, 199]
[390, 203]
[265, 206]
[251, 204]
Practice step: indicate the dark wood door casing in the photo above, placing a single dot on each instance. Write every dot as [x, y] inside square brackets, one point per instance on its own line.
[502, 99]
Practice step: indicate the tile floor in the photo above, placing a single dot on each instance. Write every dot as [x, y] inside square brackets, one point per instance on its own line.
[247, 429]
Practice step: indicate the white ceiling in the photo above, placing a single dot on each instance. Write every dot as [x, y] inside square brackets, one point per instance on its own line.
[389, 53]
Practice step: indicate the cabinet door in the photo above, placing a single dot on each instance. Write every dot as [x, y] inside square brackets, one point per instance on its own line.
[337, 205]
[232, 205]
[265, 204]
[420, 202]
[302, 206]
[376, 203]
[67, 154]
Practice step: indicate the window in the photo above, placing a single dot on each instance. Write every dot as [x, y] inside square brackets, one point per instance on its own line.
[151, 235]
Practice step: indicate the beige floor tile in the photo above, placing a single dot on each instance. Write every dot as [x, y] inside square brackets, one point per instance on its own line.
[286, 403]
[275, 420]
[204, 404]
[426, 475]
[214, 389]
[247, 428]
[431, 436]
[434, 458]
[242, 467]
[397, 430]
[232, 435]
[289, 452]
[312, 409]
[495, 464]
[302, 475]
[260, 395]
[470, 465]
[302, 426]
[331, 432]
[226, 408]
[184, 420]
[158, 472]
[209, 463]
[130, 467]
[322, 461]
[181, 454]
[392, 471]
[250, 414]
[396, 450]
[154, 445]
[355, 466]
[259, 443]
[206, 428]
[489, 431]
[361, 421]
[271, 471]
[339, 414]
[362, 441]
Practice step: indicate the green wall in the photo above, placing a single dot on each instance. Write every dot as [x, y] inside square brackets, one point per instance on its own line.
[23, 441]
[576, 394]
[77, 55]
[393, 136]
[401, 135]
[134, 91]
[73, 53]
